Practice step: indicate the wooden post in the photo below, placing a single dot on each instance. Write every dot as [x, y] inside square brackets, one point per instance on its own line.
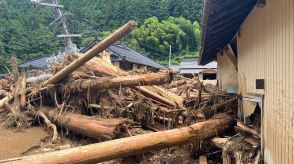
[132, 145]
[23, 91]
[111, 39]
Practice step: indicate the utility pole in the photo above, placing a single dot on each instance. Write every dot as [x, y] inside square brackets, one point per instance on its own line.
[169, 59]
[60, 21]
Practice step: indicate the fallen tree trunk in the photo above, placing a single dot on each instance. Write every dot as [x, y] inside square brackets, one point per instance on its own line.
[104, 129]
[132, 145]
[123, 81]
[111, 39]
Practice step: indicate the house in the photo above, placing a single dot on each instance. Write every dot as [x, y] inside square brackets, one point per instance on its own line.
[39, 63]
[119, 55]
[189, 68]
[253, 43]
[127, 59]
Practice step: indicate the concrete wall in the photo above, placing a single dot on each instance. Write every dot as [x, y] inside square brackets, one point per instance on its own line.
[227, 75]
[266, 51]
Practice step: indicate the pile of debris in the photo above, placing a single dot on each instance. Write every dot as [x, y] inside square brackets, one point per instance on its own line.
[90, 97]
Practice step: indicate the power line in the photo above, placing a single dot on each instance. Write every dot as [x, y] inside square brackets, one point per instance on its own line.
[59, 21]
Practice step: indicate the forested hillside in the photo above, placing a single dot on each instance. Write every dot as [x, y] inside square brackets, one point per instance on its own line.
[25, 31]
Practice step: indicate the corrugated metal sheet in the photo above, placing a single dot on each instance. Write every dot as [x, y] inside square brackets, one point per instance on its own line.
[266, 51]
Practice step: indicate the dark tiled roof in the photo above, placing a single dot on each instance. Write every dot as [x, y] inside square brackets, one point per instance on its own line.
[123, 52]
[220, 22]
[132, 56]
[39, 63]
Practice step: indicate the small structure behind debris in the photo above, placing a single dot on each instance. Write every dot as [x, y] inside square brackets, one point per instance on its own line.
[126, 58]
[190, 68]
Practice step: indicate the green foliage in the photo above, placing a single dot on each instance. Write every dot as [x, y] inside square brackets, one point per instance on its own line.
[156, 36]
[25, 31]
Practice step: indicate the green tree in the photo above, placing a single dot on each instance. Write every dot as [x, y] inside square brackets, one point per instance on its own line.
[156, 36]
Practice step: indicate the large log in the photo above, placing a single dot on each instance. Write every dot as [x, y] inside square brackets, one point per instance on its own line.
[95, 128]
[132, 145]
[122, 81]
[111, 39]
[98, 66]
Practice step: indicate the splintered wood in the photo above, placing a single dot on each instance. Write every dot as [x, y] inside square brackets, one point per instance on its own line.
[90, 97]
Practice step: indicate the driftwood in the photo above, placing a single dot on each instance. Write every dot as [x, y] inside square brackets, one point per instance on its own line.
[242, 128]
[111, 39]
[213, 110]
[85, 125]
[49, 124]
[242, 152]
[5, 100]
[132, 145]
[99, 67]
[123, 81]
[40, 78]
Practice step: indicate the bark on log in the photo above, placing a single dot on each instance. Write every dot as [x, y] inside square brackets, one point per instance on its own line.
[111, 39]
[132, 145]
[85, 125]
[123, 81]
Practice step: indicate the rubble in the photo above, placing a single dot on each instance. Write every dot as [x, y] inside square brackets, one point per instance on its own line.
[92, 98]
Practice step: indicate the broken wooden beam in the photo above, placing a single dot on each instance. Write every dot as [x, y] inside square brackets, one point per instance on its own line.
[122, 81]
[242, 128]
[132, 145]
[111, 39]
[23, 90]
[102, 129]
[241, 151]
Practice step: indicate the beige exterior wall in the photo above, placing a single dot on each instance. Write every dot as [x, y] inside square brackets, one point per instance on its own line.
[227, 75]
[266, 51]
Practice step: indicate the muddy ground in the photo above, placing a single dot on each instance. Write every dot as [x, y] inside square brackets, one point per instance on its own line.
[13, 144]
